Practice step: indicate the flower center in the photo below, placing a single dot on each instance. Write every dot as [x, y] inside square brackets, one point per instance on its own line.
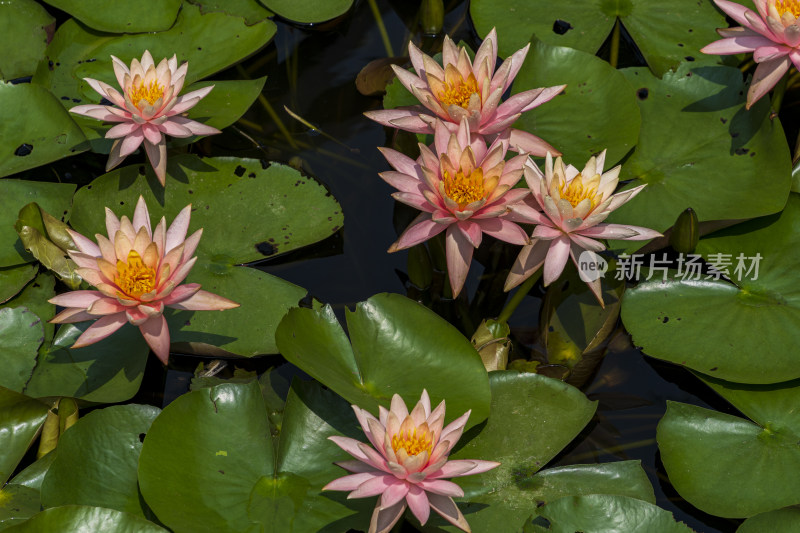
[460, 91]
[464, 189]
[135, 278]
[790, 6]
[413, 443]
[150, 92]
[577, 191]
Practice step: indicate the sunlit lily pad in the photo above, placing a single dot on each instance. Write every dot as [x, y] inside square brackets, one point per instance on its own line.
[700, 148]
[250, 10]
[308, 11]
[248, 210]
[744, 331]
[398, 347]
[711, 457]
[209, 42]
[21, 333]
[80, 473]
[207, 462]
[606, 513]
[35, 128]
[780, 521]
[20, 420]
[667, 32]
[83, 518]
[55, 198]
[122, 16]
[23, 37]
[596, 111]
[533, 418]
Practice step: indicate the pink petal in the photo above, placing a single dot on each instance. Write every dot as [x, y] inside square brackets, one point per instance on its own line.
[736, 12]
[471, 231]
[151, 133]
[394, 494]
[735, 45]
[170, 127]
[130, 143]
[195, 127]
[71, 315]
[545, 95]
[352, 482]
[400, 162]
[156, 332]
[384, 518]
[459, 255]
[389, 117]
[101, 329]
[402, 182]
[420, 230]
[446, 507]
[176, 233]
[99, 112]
[528, 261]
[157, 155]
[106, 306]
[375, 485]
[122, 130]
[453, 431]
[770, 51]
[418, 503]
[82, 299]
[84, 245]
[556, 259]
[766, 76]
[524, 142]
[503, 229]
[181, 293]
[516, 60]
[443, 487]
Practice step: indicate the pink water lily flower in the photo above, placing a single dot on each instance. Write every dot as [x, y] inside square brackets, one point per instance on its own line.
[464, 89]
[137, 272]
[407, 463]
[772, 34]
[462, 187]
[568, 207]
[148, 109]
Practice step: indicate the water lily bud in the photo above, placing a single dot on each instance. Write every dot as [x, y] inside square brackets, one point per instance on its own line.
[420, 269]
[493, 345]
[685, 232]
[432, 16]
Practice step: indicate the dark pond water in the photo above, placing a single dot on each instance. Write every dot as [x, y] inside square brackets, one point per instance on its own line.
[312, 72]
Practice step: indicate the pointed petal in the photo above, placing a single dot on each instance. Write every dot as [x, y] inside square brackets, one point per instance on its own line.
[156, 332]
[102, 328]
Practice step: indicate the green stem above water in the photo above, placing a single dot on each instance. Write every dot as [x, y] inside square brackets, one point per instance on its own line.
[518, 296]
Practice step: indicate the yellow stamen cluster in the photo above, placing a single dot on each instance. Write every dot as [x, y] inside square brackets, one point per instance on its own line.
[412, 443]
[135, 278]
[791, 6]
[577, 191]
[150, 92]
[464, 189]
[459, 93]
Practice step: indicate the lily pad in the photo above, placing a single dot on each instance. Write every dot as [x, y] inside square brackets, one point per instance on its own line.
[308, 11]
[82, 518]
[55, 198]
[715, 326]
[248, 210]
[596, 111]
[210, 42]
[14, 279]
[207, 462]
[606, 513]
[21, 334]
[21, 418]
[47, 239]
[717, 164]
[398, 347]
[35, 127]
[780, 521]
[122, 16]
[665, 31]
[250, 10]
[34, 296]
[710, 457]
[109, 438]
[24, 25]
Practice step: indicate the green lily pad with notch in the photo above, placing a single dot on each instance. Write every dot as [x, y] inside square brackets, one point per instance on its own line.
[726, 162]
[21, 418]
[21, 334]
[96, 460]
[21, 497]
[533, 418]
[398, 347]
[122, 16]
[250, 10]
[55, 198]
[35, 128]
[780, 521]
[308, 11]
[710, 457]
[605, 513]
[743, 331]
[84, 518]
[14, 279]
[248, 210]
[210, 42]
[596, 111]
[665, 31]
[207, 462]
[24, 25]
